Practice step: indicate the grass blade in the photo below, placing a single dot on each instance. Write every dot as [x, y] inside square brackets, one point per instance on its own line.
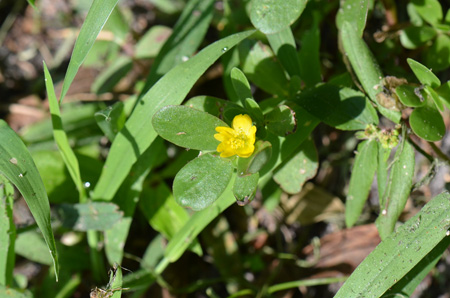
[18, 166]
[398, 254]
[7, 232]
[95, 20]
[138, 133]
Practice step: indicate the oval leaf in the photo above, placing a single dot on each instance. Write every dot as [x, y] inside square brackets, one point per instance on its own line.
[437, 57]
[244, 188]
[407, 94]
[240, 84]
[281, 121]
[413, 37]
[201, 182]
[361, 180]
[295, 171]
[187, 127]
[272, 16]
[427, 123]
[423, 74]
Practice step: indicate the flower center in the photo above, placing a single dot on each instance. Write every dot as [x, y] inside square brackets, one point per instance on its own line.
[238, 141]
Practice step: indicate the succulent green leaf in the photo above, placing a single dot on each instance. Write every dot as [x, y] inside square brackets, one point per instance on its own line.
[97, 216]
[292, 174]
[222, 109]
[444, 93]
[244, 188]
[254, 111]
[399, 253]
[361, 180]
[272, 16]
[259, 158]
[138, 133]
[240, 84]
[429, 10]
[437, 57]
[18, 167]
[187, 127]
[435, 97]
[398, 189]
[414, 36]
[423, 74]
[202, 181]
[343, 108]
[427, 122]
[281, 121]
[262, 69]
[407, 95]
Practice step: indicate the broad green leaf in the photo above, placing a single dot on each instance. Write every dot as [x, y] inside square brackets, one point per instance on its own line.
[7, 232]
[427, 122]
[186, 37]
[127, 197]
[407, 94]
[399, 253]
[342, 108]
[151, 43]
[398, 189]
[262, 69]
[95, 20]
[437, 57]
[111, 120]
[138, 133]
[201, 182]
[365, 66]
[283, 45]
[407, 285]
[198, 221]
[423, 74]
[292, 174]
[413, 37]
[309, 56]
[281, 121]
[254, 111]
[435, 97]
[109, 78]
[259, 158]
[240, 84]
[353, 12]
[361, 179]
[60, 136]
[18, 167]
[98, 216]
[187, 127]
[244, 188]
[222, 109]
[272, 16]
[163, 213]
[429, 10]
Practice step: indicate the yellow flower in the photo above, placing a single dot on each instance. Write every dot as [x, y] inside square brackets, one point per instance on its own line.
[238, 140]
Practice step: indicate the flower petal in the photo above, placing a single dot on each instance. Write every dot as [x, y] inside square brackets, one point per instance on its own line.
[242, 123]
[246, 151]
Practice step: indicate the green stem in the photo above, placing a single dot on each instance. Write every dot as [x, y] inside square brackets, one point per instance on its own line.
[98, 265]
[305, 283]
[417, 147]
[439, 153]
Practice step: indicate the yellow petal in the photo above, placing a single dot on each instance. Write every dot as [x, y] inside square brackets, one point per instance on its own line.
[242, 123]
[246, 151]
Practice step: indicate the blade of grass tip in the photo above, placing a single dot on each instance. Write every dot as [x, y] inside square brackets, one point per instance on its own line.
[138, 133]
[17, 165]
[72, 165]
[96, 18]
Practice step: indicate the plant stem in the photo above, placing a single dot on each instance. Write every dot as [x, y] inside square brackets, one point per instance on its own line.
[439, 153]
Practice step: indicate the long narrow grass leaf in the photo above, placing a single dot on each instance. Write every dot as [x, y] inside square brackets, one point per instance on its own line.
[18, 166]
